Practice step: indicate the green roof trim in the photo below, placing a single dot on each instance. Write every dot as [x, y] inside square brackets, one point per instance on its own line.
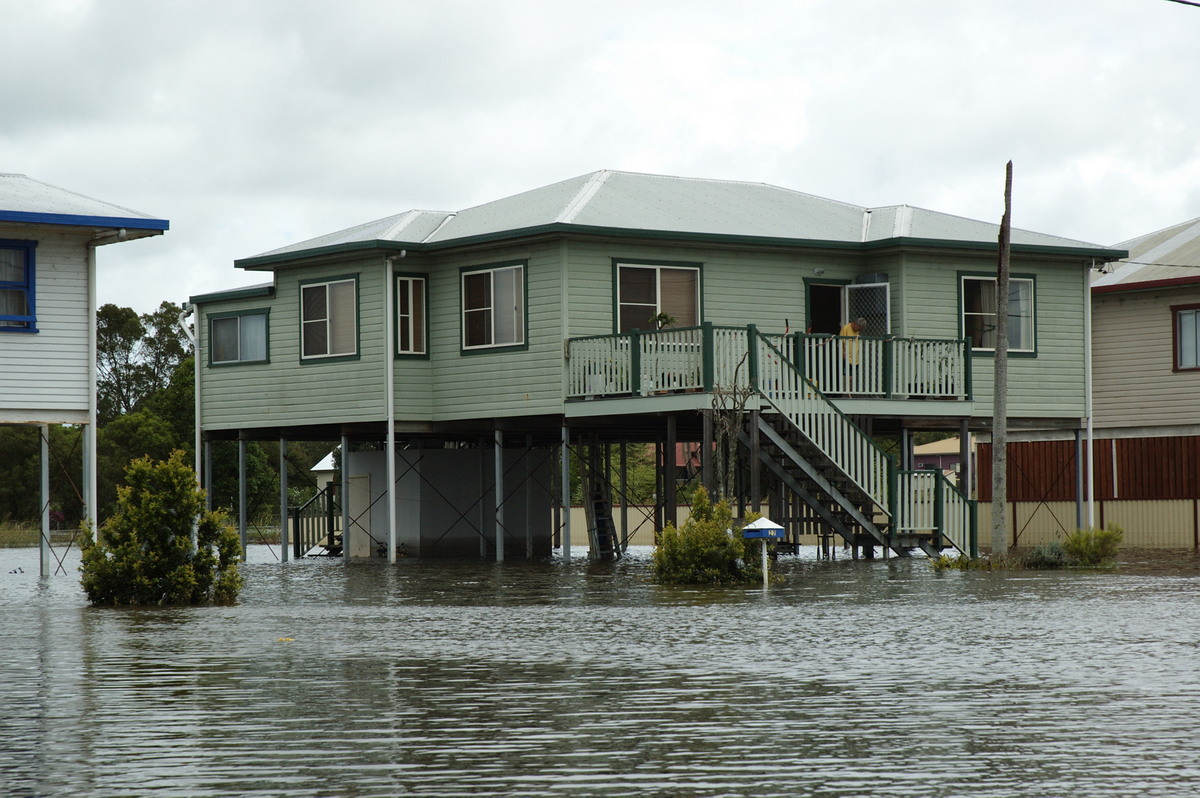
[249, 292]
[561, 229]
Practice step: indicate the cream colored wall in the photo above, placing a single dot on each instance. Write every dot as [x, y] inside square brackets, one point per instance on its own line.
[1158, 524]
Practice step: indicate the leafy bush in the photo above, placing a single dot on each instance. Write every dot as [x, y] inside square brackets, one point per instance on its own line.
[1092, 547]
[146, 554]
[702, 552]
[1049, 555]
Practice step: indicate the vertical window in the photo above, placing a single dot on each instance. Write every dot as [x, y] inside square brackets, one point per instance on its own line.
[645, 291]
[493, 307]
[410, 315]
[239, 338]
[1186, 319]
[978, 299]
[17, 286]
[328, 319]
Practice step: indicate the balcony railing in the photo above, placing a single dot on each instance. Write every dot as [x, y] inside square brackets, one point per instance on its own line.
[704, 357]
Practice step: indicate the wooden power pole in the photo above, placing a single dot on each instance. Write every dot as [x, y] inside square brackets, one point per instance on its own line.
[1000, 383]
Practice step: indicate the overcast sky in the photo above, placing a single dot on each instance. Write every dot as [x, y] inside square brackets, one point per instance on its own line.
[253, 125]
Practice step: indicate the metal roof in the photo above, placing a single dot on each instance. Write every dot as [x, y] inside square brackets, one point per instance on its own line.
[1166, 257]
[23, 199]
[634, 203]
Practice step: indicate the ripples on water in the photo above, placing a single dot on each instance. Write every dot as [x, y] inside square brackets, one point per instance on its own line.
[553, 679]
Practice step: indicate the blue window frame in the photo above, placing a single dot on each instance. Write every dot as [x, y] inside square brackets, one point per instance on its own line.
[17, 295]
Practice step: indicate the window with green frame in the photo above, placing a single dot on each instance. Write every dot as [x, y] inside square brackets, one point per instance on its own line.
[238, 337]
[646, 290]
[329, 318]
[410, 315]
[977, 298]
[493, 306]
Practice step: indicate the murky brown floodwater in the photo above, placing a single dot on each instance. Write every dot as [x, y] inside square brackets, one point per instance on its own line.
[553, 679]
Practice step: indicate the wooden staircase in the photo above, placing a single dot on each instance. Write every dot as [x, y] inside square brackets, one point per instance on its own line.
[837, 470]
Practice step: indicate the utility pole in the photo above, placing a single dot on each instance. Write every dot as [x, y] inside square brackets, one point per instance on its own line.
[1000, 384]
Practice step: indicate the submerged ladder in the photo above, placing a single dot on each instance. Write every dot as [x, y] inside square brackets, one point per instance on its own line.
[602, 531]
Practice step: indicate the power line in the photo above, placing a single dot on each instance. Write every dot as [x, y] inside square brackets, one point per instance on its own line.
[1168, 265]
[1185, 2]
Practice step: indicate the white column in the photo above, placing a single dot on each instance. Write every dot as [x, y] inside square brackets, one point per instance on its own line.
[389, 392]
[90, 492]
[241, 493]
[345, 499]
[283, 501]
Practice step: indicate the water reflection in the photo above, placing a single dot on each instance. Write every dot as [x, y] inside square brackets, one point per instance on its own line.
[848, 679]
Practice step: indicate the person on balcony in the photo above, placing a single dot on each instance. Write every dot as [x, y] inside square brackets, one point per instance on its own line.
[851, 350]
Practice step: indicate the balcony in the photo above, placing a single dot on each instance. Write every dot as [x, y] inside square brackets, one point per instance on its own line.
[709, 357]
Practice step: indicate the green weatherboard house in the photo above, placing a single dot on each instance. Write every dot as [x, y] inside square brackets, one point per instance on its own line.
[633, 309]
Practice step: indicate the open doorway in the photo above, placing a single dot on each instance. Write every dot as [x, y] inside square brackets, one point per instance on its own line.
[825, 308]
[830, 305]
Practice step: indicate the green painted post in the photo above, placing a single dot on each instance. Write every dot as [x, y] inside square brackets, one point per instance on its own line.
[752, 342]
[973, 509]
[939, 505]
[967, 361]
[893, 498]
[798, 352]
[889, 361]
[708, 350]
[635, 362]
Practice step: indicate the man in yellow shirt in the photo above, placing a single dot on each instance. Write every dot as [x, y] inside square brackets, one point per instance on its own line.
[850, 348]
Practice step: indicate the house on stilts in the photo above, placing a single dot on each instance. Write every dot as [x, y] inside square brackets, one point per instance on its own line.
[463, 360]
[48, 274]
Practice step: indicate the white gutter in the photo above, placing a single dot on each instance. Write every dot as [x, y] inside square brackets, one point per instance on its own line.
[1087, 401]
[193, 337]
[389, 376]
[91, 495]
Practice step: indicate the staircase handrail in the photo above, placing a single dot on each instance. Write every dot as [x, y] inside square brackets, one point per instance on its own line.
[308, 536]
[929, 502]
[775, 377]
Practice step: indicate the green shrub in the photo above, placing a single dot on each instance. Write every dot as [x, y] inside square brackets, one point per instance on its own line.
[702, 552]
[1092, 547]
[146, 554]
[1049, 555]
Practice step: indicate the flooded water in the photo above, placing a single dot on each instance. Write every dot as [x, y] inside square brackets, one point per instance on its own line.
[568, 679]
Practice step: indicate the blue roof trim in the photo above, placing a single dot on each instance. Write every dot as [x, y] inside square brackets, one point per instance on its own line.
[128, 222]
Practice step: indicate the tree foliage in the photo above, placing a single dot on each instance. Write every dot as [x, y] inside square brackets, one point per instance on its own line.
[702, 551]
[146, 554]
[135, 356]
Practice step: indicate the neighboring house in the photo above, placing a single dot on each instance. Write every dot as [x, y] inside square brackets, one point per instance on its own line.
[48, 241]
[474, 343]
[944, 455]
[1146, 431]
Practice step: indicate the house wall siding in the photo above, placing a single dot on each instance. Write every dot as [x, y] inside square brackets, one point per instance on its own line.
[570, 288]
[47, 372]
[1050, 385]
[486, 383]
[1133, 356]
[287, 390]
